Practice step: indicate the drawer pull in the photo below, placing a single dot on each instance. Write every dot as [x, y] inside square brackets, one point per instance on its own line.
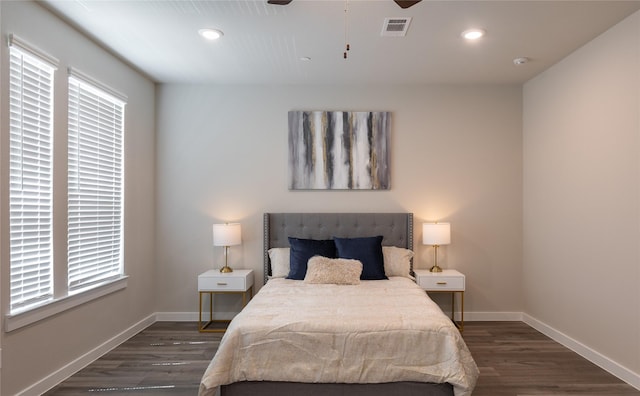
[441, 283]
[222, 283]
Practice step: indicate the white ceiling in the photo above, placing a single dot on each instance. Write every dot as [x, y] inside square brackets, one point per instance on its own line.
[263, 43]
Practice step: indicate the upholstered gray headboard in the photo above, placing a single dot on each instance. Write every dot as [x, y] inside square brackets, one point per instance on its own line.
[396, 228]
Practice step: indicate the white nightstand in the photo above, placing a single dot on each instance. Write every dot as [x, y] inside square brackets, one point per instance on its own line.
[448, 281]
[215, 282]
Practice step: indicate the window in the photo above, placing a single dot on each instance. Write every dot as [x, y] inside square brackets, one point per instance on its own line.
[94, 190]
[30, 168]
[95, 180]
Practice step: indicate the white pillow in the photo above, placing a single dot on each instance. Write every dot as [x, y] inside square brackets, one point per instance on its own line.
[279, 262]
[397, 261]
[323, 270]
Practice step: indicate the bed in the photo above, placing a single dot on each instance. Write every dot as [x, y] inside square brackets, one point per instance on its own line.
[329, 332]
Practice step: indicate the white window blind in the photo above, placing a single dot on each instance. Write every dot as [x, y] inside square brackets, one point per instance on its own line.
[30, 191]
[95, 179]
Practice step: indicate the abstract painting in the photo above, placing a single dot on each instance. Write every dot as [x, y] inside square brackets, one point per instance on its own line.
[339, 150]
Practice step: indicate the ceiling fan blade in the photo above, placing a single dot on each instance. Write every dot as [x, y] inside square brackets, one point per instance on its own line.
[406, 3]
[401, 3]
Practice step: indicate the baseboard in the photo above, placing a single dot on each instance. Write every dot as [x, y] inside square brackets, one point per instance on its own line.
[83, 361]
[591, 355]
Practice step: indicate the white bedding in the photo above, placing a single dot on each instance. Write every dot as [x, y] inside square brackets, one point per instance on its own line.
[376, 332]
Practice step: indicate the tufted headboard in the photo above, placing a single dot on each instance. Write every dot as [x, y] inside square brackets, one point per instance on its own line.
[396, 228]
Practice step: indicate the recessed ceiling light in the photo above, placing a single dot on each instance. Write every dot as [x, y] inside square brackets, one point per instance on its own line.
[211, 34]
[520, 61]
[473, 34]
[305, 58]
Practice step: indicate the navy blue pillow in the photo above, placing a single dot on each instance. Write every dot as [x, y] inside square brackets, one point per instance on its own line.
[368, 250]
[302, 250]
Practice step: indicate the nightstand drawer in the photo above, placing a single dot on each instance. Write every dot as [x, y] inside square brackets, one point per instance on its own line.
[447, 280]
[441, 282]
[238, 280]
[220, 283]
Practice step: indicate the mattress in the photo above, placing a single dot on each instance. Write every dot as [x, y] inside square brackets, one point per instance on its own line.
[381, 331]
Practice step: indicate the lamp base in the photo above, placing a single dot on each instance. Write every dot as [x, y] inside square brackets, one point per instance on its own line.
[435, 268]
[226, 269]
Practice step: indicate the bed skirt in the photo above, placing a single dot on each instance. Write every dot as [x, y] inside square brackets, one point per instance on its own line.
[266, 388]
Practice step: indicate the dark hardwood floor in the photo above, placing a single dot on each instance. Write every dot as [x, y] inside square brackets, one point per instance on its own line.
[515, 359]
[168, 358]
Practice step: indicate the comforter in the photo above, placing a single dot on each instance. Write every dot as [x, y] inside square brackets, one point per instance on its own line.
[375, 332]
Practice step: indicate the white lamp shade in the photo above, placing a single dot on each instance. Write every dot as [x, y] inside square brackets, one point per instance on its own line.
[228, 234]
[436, 233]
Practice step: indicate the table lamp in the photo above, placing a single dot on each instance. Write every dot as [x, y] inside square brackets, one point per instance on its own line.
[226, 235]
[436, 234]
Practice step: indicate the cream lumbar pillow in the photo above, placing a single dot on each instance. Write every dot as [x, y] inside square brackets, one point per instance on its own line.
[323, 270]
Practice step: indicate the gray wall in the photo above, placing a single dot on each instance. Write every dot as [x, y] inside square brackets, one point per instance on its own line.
[32, 353]
[456, 155]
[581, 195]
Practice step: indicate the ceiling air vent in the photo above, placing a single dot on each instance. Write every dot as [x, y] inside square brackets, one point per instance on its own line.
[395, 27]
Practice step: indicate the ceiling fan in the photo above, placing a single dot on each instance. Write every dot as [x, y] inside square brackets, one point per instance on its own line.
[401, 3]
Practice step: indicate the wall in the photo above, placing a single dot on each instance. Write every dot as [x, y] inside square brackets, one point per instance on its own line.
[456, 154]
[581, 127]
[33, 353]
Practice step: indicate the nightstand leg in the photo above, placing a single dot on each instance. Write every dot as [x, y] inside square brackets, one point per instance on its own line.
[459, 325]
[210, 307]
[200, 311]
[244, 296]
[453, 306]
[461, 311]
[202, 326]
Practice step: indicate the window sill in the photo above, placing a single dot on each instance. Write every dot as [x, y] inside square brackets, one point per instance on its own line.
[22, 319]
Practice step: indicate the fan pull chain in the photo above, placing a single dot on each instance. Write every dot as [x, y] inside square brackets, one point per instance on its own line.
[346, 28]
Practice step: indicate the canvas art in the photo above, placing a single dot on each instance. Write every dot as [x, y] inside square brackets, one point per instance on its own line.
[339, 150]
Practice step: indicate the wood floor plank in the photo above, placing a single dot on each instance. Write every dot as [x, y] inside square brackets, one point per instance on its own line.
[168, 358]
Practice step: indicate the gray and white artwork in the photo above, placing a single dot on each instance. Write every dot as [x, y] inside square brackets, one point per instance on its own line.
[339, 150]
